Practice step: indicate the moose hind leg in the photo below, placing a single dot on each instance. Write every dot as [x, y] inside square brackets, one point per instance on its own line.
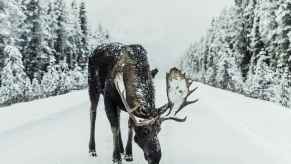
[94, 94]
[128, 149]
[93, 108]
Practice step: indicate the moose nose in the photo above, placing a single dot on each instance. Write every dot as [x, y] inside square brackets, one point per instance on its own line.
[153, 157]
[154, 161]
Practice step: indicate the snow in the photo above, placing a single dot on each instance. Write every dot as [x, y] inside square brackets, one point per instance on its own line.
[222, 128]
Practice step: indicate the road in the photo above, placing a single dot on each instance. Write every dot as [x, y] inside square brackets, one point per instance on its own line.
[62, 138]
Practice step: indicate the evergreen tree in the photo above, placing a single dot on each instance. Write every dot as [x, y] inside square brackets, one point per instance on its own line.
[64, 81]
[78, 78]
[73, 49]
[49, 27]
[12, 76]
[32, 43]
[284, 27]
[36, 89]
[247, 48]
[261, 81]
[61, 36]
[247, 23]
[228, 75]
[256, 45]
[11, 17]
[82, 58]
[55, 41]
[28, 93]
[50, 81]
[283, 89]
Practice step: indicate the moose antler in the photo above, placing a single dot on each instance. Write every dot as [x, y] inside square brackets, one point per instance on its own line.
[175, 81]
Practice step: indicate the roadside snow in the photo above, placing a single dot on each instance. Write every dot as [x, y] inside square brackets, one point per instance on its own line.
[23, 113]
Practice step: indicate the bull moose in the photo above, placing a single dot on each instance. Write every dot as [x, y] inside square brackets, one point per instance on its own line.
[121, 73]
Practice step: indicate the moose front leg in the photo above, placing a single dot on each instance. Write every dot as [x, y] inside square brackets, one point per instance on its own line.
[120, 143]
[128, 149]
[92, 150]
[113, 115]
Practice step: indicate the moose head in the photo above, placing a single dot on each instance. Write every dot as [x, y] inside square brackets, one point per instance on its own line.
[133, 82]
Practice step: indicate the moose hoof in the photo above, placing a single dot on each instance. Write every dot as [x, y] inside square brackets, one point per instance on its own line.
[128, 158]
[93, 154]
[116, 161]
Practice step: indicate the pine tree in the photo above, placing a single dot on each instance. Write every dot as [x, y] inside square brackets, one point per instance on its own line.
[253, 39]
[12, 76]
[28, 94]
[82, 58]
[36, 89]
[228, 75]
[11, 17]
[50, 81]
[64, 81]
[260, 82]
[73, 49]
[49, 26]
[78, 78]
[60, 30]
[283, 89]
[284, 32]
[247, 23]
[256, 45]
[32, 42]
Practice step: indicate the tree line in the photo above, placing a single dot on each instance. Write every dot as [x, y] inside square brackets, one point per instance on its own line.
[246, 50]
[44, 46]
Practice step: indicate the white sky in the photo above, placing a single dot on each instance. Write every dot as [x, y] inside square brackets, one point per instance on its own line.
[164, 27]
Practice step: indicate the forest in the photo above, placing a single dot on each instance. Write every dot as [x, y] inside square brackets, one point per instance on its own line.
[44, 46]
[246, 50]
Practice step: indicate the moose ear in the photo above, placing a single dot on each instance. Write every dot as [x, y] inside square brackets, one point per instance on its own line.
[154, 72]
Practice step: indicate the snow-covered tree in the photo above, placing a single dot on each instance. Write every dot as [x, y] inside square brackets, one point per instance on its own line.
[283, 33]
[50, 81]
[228, 75]
[28, 92]
[55, 40]
[36, 89]
[260, 82]
[33, 45]
[246, 49]
[13, 77]
[78, 77]
[11, 16]
[65, 81]
[82, 58]
[61, 33]
[283, 89]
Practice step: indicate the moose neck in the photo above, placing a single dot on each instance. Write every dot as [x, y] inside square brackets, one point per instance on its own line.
[139, 89]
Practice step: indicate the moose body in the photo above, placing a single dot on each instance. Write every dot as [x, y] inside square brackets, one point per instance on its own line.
[121, 73]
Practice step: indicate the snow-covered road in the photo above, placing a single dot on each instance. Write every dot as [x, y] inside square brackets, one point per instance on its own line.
[223, 128]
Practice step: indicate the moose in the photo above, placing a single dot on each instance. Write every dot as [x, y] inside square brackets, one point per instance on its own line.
[121, 73]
